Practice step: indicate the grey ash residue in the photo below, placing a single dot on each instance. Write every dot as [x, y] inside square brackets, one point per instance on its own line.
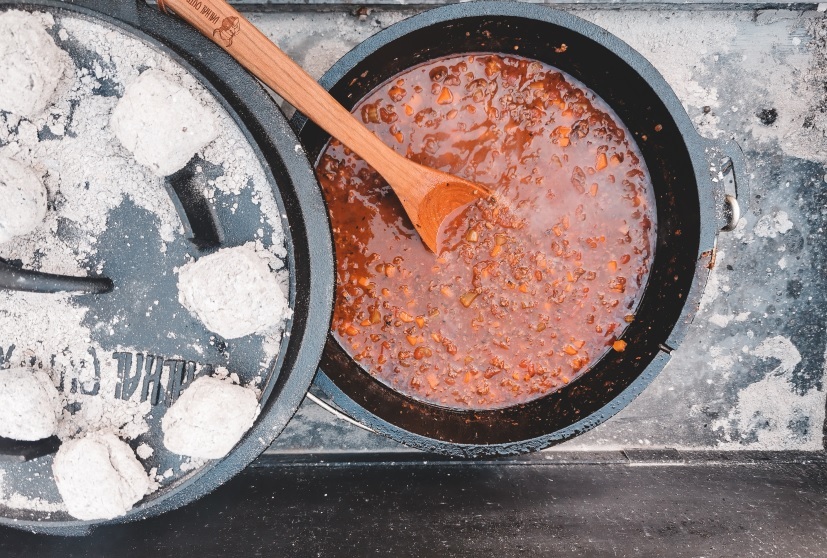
[119, 360]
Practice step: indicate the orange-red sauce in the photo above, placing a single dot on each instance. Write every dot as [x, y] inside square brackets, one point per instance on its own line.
[532, 291]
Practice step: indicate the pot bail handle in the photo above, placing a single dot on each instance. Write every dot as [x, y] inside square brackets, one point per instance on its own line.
[728, 170]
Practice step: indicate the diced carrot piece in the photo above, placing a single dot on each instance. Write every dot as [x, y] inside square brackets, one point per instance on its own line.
[467, 298]
[397, 93]
[445, 97]
[432, 381]
[569, 350]
[619, 345]
[602, 162]
[612, 266]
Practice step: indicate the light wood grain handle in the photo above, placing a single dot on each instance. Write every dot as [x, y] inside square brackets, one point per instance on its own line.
[221, 23]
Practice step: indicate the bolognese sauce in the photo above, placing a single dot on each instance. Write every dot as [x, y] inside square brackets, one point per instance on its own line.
[527, 293]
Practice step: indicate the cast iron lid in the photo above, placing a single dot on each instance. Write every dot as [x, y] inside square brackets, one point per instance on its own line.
[166, 346]
[692, 206]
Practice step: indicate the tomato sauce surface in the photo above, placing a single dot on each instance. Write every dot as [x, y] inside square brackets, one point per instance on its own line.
[528, 293]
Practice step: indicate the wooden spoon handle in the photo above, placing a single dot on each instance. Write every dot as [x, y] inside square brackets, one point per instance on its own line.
[220, 22]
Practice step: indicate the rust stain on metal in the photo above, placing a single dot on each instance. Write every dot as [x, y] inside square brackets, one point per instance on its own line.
[711, 254]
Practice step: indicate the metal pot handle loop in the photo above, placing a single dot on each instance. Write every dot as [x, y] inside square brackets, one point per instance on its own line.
[730, 180]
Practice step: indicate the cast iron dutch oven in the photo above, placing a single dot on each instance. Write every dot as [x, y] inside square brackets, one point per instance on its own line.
[304, 221]
[692, 206]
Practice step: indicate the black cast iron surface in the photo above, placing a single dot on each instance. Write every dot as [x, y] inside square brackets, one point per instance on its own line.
[689, 205]
[309, 261]
[588, 504]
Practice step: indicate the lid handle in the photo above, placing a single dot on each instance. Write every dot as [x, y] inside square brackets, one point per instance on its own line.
[16, 279]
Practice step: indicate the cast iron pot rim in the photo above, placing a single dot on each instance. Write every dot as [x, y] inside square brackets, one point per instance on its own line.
[263, 122]
[696, 148]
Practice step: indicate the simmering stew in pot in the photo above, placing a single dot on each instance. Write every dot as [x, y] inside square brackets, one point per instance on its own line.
[527, 293]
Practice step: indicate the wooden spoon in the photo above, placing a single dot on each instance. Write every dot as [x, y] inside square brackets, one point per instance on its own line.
[428, 196]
